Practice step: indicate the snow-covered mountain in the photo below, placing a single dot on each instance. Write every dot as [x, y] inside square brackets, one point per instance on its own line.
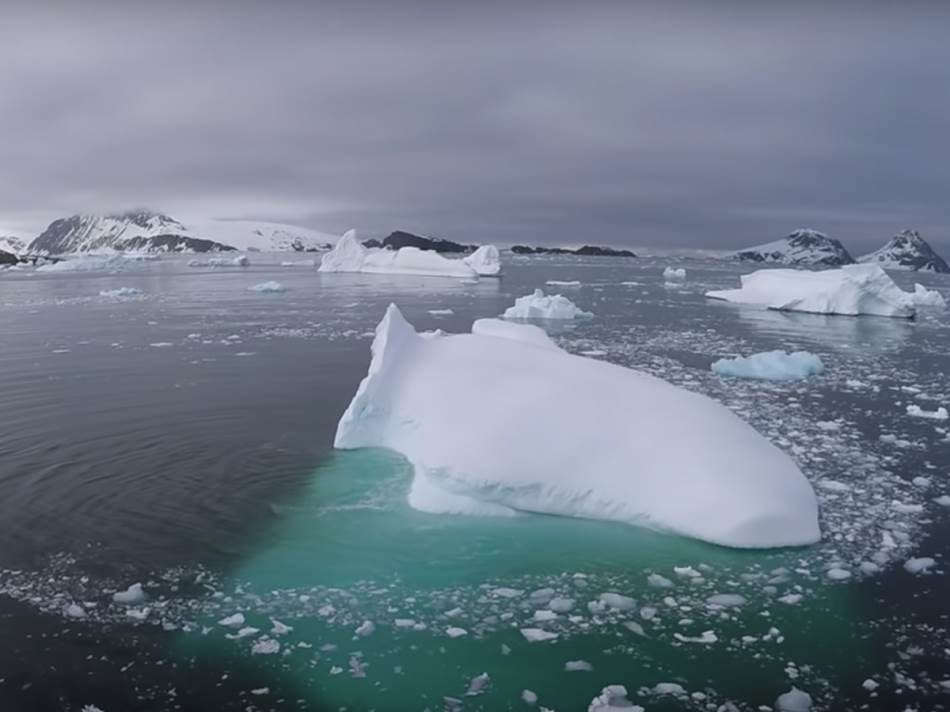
[802, 247]
[907, 250]
[12, 245]
[146, 231]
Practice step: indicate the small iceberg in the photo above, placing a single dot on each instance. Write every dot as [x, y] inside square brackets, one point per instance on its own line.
[850, 291]
[539, 306]
[486, 261]
[674, 274]
[593, 440]
[239, 261]
[923, 297]
[120, 292]
[771, 366]
[348, 255]
[268, 288]
[918, 412]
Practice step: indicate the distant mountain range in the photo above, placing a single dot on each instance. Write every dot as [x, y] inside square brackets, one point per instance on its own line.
[907, 250]
[147, 231]
[586, 250]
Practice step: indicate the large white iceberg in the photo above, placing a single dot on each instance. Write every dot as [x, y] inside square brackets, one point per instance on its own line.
[539, 306]
[348, 255]
[851, 290]
[502, 420]
[771, 366]
[486, 261]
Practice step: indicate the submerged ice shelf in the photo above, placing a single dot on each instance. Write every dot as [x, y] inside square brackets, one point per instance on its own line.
[623, 461]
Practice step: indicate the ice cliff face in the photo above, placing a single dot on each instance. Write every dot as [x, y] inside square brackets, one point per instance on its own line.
[802, 247]
[907, 250]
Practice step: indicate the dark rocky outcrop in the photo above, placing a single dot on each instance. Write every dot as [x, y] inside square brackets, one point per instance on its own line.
[398, 239]
[585, 251]
[173, 243]
[7, 258]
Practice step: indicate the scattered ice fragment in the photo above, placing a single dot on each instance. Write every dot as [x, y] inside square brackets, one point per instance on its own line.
[138, 614]
[539, 306]
[870, 685]
[918, 412]
[635, 627]
[791, 598]
[834, 486]
[578, 666]
[233, 621]
[120, 292]
[536, 635]
[242, 633]
[726, 599]
[794, 700]
[404, 622]
[336, 670]
[561, 605]
[648, 613]
[133, 594]
[529, 697]
[544, 615]
[365, 628]
[279, 628]
[503, 592]
[559, 283]
[454, 632]
[904, 508]
[921, 482]
[706, 637]
[613, 697]
[615, 600]
[674, 274]
[91, 708]
[659, 581]
[441, 312]
[161, 344]
[265, 646]
[669, 688]
[838, 574]
[918, 564]
[478, 684]
[74, 610]
[943, 500]
[267, 287]
[771, 366]
[686, 572]
[260, 691]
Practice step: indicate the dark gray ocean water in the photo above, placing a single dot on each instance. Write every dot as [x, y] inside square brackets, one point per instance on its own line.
[181, 438]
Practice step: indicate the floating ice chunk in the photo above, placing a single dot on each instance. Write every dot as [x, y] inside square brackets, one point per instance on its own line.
[133, 594]
[486, 261]
[613, 697]
[745, 492]
[659, 581]
[838, 574]
[537, 635]
[707, 637]
[674, 274]
[686, 572]
[74, 610]
[233, 621]
[851, 291]
[870, 685]
[441, 312]
[578, 666]
[241, 261]
[504, 592]
[260, 691]
[478, 684]
[923, 297]
[906, 508]
[617, 601]
[529, 697]
[669, 688]
[267, 288]
[348, 255]
[278, 628]
[561, 605]
[265, 646]
[771, 366]
[791, 599]
[454, 632]
[542, 615]
[404, 622]
[918, 565]
[943, 500]
[635, 627]
[120, 292]
[245, 632]
[539, 306]
[559, 283]
[726, 600]
[138, 614]
[834, 486]
[91, 708]
[794, 700]
[918, 412]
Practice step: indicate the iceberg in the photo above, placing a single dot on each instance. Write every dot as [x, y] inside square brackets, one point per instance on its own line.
[267, 288]
[348, 255]
[674, 274]
[923, 297]
[486, 261]
[539, 306]
[851, 291]
[771, 366]
[532, 428]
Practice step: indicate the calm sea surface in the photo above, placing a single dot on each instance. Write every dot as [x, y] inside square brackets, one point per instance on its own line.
[181, 438]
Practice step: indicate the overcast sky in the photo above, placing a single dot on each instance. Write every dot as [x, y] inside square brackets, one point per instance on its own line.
[612, 123]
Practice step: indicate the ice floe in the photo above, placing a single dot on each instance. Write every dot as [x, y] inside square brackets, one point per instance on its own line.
[540, 306]
[851, 291]
[267, 288]
[771, 365]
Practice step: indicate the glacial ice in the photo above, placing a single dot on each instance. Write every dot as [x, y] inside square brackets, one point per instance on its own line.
[486, 261]
[674, 274]
[918, 412]
[539, 306]
[639, 451]
[771, 366]
[267, 288]
[851, 291]
[120, 292]
[349, 255]
[923, 297]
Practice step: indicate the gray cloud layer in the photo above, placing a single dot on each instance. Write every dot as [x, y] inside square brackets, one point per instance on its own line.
[614, 123]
